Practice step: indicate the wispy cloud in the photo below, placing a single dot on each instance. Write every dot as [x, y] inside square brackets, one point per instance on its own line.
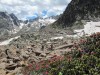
[28, 8]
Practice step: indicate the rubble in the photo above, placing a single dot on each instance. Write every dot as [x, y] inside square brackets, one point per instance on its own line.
[13, 59]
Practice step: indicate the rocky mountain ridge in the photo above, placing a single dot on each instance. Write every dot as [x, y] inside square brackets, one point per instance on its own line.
[78, 10]
[9, 24]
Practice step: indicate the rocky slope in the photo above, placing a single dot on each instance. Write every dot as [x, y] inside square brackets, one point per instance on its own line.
[26, 49]
[79, 10]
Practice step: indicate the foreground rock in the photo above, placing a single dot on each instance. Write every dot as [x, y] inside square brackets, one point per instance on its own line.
[14, 57]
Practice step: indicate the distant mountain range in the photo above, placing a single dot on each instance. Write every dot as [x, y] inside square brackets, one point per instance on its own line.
[78, 10]
[32, 25]
[9, 24]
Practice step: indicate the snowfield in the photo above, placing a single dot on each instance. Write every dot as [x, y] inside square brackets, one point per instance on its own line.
[89, 28]
[6, 42]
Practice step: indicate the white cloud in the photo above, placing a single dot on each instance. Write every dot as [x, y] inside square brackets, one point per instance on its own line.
[27, 8]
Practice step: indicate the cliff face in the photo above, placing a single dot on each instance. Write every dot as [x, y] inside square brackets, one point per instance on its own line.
[79, 10]
[15, 19]
[8, 21]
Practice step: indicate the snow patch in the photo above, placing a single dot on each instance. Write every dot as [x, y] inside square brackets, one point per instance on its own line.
[21, 25]
[73, 36]
[6, 42]
[47, 21]
[55, 38]
[89, 28]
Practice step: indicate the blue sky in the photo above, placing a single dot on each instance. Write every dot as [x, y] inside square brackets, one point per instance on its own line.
[25, 9]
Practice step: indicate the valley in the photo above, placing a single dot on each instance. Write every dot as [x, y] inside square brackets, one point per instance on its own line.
[62, 43]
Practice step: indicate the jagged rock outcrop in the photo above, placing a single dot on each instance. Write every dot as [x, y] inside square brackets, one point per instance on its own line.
[9, 24]
[78, 10]
[15, 19]
[5, 21]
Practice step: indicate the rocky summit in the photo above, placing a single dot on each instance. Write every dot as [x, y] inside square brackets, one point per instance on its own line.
[79, 10]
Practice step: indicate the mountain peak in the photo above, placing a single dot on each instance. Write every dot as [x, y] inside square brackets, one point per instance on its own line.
[4, 14]
[78, 10]
[8, 24]
[15, 19]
